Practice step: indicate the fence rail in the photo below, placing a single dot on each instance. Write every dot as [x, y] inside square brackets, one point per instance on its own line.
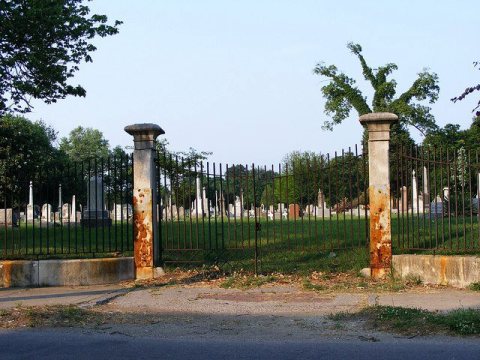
[435, 194]
[79, 209]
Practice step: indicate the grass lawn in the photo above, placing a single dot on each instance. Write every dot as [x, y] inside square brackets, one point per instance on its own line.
[66, 240]
[413, 322]
[332, 244]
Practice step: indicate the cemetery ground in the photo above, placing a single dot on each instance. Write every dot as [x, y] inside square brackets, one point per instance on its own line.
[287, 246]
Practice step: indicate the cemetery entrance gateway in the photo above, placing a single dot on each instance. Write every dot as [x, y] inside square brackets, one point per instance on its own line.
[247, 216]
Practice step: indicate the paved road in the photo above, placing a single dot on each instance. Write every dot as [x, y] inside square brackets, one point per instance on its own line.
[79, 344]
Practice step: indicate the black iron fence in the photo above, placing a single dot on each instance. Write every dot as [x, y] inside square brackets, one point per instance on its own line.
[246, 213]
[435, 197]
[74, 209]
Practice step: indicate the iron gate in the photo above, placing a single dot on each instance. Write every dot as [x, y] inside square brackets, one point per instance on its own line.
[257, 217]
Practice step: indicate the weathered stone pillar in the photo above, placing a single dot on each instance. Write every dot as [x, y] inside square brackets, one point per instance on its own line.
[378, 126]
[146, 244]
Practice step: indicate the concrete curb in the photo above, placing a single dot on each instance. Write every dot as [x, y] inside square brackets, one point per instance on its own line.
[76, 272]
[457, 271]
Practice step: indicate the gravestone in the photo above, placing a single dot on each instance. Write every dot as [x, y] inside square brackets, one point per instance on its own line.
[221, 205]
[475, 203]
[200, 204]
[436, 208]
[238, 207]
[66, 213]
[320, 199]
[181, 212]
[414, 193]
[30, 211]
[270, 215]
[122, 212]
[6, 217]
[294, 211]
[46, 212]
[95, 214]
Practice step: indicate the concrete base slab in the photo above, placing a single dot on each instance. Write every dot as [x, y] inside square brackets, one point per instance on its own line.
[77, 272]
[18, 273]
[457, 271]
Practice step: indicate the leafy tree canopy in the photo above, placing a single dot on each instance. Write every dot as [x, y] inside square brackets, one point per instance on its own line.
[179, 163]
[451, 137]
[42, 42]
[26, 154]
[342, 95]
[84, 144]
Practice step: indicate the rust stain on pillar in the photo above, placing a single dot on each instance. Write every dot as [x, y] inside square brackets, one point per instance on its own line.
[380, 232]
[143, 236]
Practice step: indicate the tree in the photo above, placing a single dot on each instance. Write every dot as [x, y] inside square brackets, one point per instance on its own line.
[26, 154]
[468, 91]
[339, 177]
[299, 180]
[451, 137]
[342, 95]
[42, 42]
[179, 170]
[85, 144]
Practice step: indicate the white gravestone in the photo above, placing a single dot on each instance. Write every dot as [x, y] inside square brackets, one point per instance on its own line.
[30, 209]
[46, 212]
[66, 213]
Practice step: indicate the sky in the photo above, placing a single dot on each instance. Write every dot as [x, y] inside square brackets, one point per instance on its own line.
[235, 78]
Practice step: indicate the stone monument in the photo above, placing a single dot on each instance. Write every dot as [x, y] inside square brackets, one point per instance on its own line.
[30, 210]
[95, 214]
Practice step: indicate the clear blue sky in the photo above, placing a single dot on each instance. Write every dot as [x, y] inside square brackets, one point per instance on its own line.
[235, 77]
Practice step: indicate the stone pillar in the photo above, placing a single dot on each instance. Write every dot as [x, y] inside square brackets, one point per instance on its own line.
[378, 126]
[146, 241]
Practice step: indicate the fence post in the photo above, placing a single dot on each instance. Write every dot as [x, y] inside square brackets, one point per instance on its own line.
[378, 126]
[146, 243]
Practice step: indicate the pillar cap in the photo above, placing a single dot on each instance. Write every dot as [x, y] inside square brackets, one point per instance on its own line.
[144, 129]
[378, 117]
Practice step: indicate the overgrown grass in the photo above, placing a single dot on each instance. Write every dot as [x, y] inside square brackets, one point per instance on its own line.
[308, 285]
[246, 281]
[418, 322]
[475, 286]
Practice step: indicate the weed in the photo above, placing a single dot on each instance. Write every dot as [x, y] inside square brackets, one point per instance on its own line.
[340, 316]
[246, 281]
[413, 279]
[475, 286]
[408, 321]
[307, 285]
